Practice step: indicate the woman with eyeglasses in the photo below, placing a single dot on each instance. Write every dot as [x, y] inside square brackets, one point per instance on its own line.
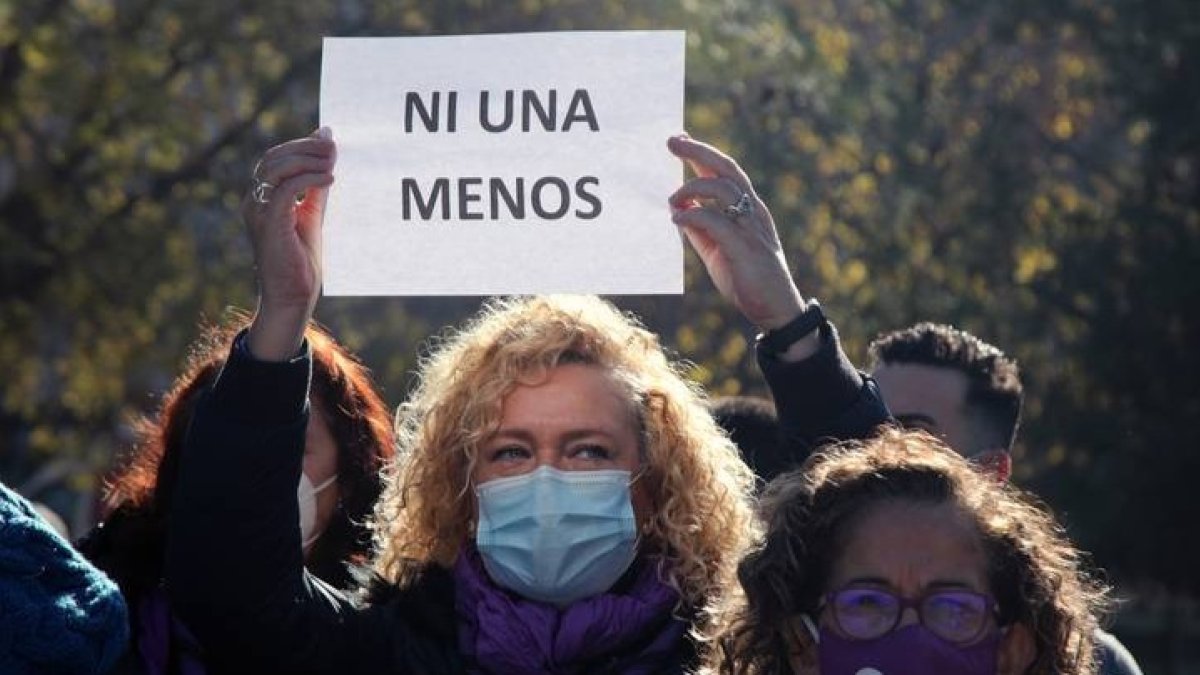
[896, 557]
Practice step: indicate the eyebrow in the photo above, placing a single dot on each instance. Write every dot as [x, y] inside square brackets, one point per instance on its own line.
[523, 434]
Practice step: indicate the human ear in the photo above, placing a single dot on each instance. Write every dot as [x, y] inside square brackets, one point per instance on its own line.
[801, 640]
[995, 463]
[1017, 651]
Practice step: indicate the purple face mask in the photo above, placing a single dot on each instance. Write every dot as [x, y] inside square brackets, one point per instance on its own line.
[911, 650]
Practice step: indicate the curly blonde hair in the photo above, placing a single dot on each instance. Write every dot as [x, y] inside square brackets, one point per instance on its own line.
[1037, 576]
[702, 520]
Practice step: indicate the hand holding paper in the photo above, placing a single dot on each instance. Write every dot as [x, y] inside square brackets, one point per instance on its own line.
[283, 211]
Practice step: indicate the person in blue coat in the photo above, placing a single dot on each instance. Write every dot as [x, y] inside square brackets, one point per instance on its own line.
[58, 613]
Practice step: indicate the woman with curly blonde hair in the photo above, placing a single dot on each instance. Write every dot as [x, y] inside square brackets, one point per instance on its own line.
[561, 500]
[896, 556]
[457, 432]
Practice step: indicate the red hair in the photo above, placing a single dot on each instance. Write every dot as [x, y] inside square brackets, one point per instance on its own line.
[142, 486]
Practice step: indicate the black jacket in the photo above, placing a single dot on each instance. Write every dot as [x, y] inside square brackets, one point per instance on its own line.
[822, 399]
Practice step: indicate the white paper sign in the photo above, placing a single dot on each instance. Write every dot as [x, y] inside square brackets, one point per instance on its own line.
[498, 164]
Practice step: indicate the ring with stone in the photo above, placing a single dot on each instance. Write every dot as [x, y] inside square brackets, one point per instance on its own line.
[742, 207]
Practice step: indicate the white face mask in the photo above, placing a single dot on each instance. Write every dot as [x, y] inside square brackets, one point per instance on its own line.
[306, 494]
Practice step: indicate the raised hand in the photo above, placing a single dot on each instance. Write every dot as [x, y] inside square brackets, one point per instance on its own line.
[732, 231]
[283, 211]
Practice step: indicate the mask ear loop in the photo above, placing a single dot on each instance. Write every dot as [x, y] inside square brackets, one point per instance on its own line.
[797, 653]
[812, 628]
[329, 481]
[809, 627]
[645, 527]
[638, 476]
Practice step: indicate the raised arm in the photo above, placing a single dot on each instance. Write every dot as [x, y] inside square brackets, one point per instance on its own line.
[234, 562]
[283, 212]
[819, 394]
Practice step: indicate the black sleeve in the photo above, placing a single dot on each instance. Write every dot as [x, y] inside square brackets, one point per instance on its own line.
[819, 400]
[234, 564]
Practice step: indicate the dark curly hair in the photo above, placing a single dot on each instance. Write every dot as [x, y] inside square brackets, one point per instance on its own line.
[1035, 573]
[994, 390]
[129, 544]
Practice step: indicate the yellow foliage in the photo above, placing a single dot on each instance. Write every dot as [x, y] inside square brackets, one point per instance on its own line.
[414, 19]
[98, 12]
[821, 223]
[1027, 32]
[1072, 65]
[42, 437]
[35, 57]
[732, 351]
[1041, 207]
[863, 187]
[730, 386]
[1138, 132]
[1062, 127]
[788, 190]
[1067, 197]
[945, 68]
[8, 32]
[936, 10]
[825, 262]
[707, 120]
[854, 273]
[1032, 262]
[686, 338]
[171, 27]
[1056, 455]
[920, 250]
[1027, 76]
[803, 138]
[834, 44]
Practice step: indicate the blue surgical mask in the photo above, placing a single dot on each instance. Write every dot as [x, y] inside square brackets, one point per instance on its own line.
[557, 536]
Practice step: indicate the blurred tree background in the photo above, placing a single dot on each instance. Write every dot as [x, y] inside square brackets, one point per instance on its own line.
[1027, 170]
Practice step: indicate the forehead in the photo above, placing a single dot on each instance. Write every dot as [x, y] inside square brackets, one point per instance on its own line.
[912, 547]
[935, 392]
[569, 394]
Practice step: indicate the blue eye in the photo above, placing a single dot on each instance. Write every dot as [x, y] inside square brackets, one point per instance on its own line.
[509, 453]
[592, 451]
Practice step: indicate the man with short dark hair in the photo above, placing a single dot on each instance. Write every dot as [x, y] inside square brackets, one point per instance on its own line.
[948, 382]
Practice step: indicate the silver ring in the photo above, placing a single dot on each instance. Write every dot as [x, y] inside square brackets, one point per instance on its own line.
[261, 192]
[742, 207]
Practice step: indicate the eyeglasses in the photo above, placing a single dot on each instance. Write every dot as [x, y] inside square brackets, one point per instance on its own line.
[960, 617]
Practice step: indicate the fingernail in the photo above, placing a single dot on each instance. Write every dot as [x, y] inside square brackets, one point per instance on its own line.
[325, 133]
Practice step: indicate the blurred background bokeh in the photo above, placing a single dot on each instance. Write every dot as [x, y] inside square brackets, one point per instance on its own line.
[1027, 170]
